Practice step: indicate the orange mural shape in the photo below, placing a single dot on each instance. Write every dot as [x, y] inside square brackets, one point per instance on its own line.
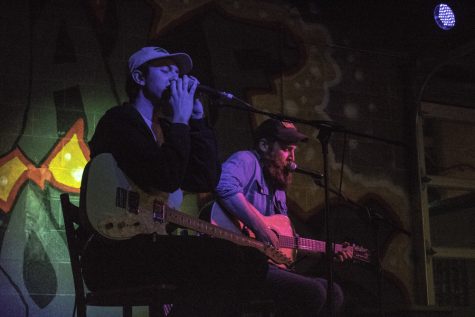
[63, 168]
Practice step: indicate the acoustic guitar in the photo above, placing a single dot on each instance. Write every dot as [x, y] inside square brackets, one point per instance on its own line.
[288, 242]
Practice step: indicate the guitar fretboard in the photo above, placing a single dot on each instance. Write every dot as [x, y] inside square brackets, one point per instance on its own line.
[190, 222]
[302, 244]
[316, 246]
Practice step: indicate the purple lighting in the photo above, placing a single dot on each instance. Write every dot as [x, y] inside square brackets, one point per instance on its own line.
[444, 16]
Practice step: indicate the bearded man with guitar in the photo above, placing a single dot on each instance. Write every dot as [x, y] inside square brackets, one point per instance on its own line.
[251, 196]
[143, 153]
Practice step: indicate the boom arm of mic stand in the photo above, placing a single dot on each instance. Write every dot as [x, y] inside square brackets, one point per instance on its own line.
[319, 124]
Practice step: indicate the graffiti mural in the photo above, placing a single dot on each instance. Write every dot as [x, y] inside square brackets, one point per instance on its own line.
[63, 168]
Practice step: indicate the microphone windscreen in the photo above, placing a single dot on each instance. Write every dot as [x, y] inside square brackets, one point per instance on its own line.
[291, 166]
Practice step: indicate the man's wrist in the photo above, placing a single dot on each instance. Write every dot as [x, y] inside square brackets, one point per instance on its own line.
[197, 116]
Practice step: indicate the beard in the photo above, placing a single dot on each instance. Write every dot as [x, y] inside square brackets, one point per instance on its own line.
[276, 171]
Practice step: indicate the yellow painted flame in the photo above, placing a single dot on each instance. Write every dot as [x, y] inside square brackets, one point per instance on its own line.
[10, 172]
[68, 165]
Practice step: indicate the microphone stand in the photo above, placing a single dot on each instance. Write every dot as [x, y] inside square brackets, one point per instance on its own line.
[324, 137]
[326, 128]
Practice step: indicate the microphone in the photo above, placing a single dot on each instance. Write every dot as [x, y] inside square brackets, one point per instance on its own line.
[213, 92]
[293, 167]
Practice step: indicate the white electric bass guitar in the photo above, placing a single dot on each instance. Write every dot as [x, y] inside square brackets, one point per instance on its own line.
[117, 209]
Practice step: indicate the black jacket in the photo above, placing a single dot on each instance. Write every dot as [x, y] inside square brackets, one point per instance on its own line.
[187, 159]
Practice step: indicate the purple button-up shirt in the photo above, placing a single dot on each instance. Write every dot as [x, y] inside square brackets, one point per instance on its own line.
[242, 173]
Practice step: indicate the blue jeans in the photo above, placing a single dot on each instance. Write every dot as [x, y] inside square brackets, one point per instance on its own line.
[298, 295]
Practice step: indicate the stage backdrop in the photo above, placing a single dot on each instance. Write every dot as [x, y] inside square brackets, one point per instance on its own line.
[64, 64]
